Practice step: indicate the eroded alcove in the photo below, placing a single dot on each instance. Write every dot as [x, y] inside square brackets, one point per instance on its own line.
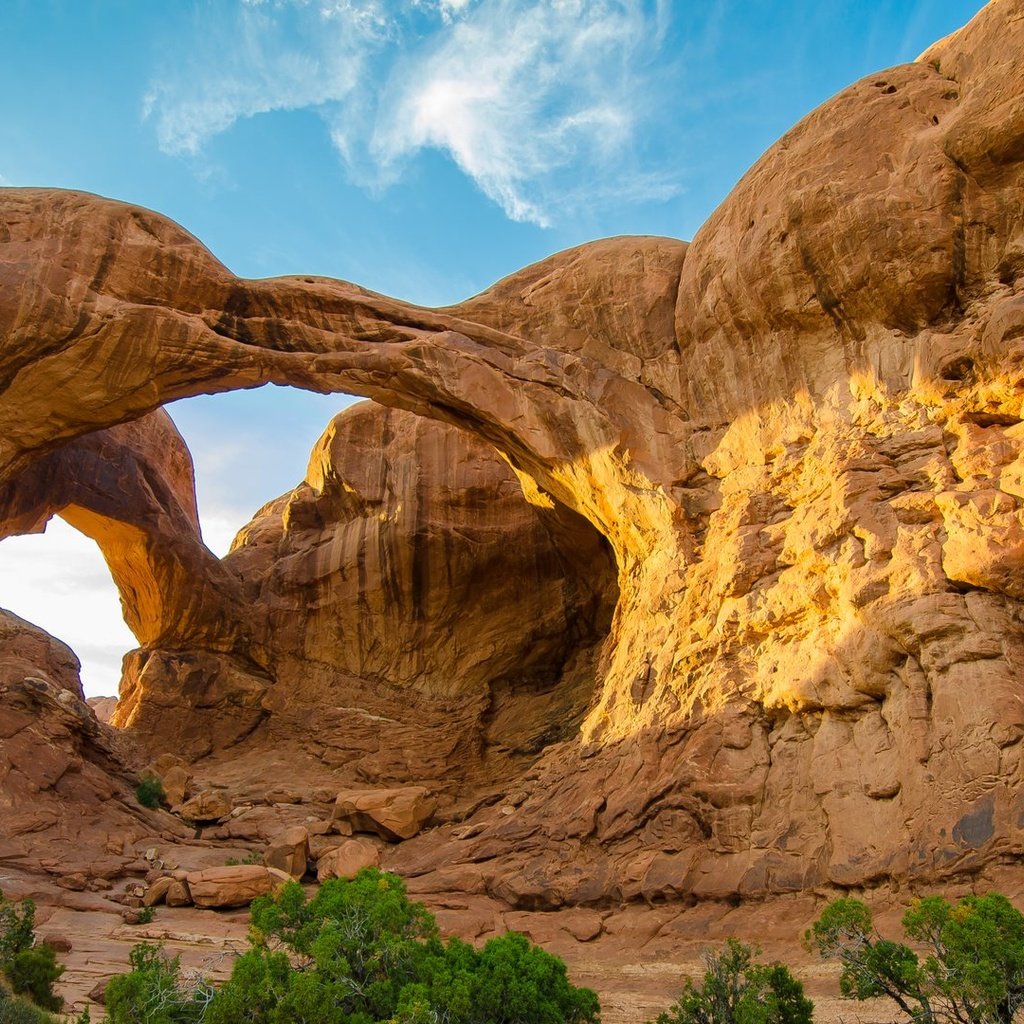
[404, 586]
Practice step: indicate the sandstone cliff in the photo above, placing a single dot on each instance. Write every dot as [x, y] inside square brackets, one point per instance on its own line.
[800, 438]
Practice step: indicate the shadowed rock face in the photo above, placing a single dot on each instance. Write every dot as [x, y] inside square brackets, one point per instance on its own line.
[65, 803]
[396, 604]
[800, 437]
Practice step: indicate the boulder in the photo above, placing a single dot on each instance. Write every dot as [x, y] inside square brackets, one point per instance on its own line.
[393, 814]
[235, 885]
[162, 764]
[57, 942]
[174, 775]
[178, 894]
[208, 806]
[278, 878]
[158, 891]
[289, 851]
[176, 783]
[347, 860]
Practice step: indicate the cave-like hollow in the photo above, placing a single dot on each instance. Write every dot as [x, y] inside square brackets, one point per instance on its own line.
[407, 575]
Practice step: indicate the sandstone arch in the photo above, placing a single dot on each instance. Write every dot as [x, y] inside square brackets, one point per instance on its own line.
[810, 473]
[407, 561]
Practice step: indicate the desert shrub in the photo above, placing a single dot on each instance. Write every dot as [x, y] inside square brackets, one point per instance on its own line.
[736, 990]
[155, 992]
[512, 980]
[30, 969]
[32, 972]
[972, 971]
[19, 1011]
[17, 928]
[360, 952]
[150, 792]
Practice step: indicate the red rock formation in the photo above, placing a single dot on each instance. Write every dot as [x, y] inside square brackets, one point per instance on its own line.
[800, 437]
[66, 804]
[131, 489]
[396, 603]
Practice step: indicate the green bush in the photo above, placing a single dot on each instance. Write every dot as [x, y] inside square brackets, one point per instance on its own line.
[972, 973]
[154, 992]
[32, 972]
[17, 930]
[364, 953]
[357, 953]
[735, 990]
[150, 792]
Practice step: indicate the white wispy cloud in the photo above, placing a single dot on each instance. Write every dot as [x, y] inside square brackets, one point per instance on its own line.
[267, 59]
[516, 93]
[539, 102]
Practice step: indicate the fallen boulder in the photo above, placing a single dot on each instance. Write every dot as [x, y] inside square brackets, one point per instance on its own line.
[158, 891]
[207, 806]
[235, 885]
[289, 851]
[178, 894]
[347, 860]
[393, 814]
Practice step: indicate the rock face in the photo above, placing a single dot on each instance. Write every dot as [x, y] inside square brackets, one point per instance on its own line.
[420, 564]
[27, 652]
[800, 438]
[66, 805]
[102, 707]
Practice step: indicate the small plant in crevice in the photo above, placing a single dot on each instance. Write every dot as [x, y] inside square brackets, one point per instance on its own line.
[150, 792]
[252, 857]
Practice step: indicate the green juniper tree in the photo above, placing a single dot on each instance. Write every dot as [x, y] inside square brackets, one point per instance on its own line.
[736, 990]
[971, 970]
[358, 952]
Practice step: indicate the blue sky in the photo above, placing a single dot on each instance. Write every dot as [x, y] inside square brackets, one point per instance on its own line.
[423, 149]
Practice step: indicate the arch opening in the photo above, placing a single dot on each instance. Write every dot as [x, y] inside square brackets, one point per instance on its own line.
[58, 581]
[407, 562]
